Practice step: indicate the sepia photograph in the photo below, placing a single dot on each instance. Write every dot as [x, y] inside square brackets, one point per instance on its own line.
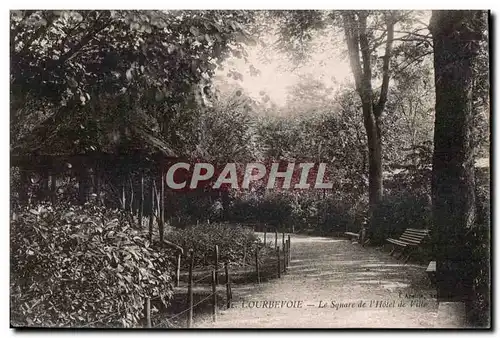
[241, 169]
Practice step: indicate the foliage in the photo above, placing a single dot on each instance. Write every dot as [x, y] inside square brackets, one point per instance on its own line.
[153, 62]
[232, 240]
[72, 266]
[413, 173]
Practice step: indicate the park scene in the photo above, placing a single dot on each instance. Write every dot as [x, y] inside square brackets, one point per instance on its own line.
[205, 169]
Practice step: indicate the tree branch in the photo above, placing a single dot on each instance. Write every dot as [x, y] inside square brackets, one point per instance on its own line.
[352, 38]
[85, 40]
[365, 54]
[385, 68]
[412, 61]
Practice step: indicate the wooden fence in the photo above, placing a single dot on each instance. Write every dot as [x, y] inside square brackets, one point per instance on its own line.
[279, 263]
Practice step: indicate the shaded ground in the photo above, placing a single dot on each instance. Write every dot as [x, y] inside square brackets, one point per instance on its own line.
[342, 276]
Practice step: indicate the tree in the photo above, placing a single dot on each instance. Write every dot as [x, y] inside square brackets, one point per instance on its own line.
[62, 62]
[376, 42]
[356, 33]
[456, 36]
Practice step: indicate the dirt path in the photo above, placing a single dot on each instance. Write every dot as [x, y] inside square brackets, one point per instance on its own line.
[343, 276]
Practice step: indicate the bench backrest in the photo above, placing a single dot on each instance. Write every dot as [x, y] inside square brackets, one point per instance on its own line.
[414, 236]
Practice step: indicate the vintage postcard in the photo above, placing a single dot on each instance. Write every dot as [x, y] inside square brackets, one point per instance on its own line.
[189, 169]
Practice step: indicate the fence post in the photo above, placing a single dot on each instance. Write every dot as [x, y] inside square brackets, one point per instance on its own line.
[190, 290]
[124, 206]
[283, 242]
[53, 189]
[257, 264]
[147, 312]
[289, 251]
[178, 272]
[276, 239]
[216, 264]
[279, 263]
[151, 215]
[284, 257]
[141, 201]
[265, 235]
[214, 295]
[244, 255]
[228, 285]
[161, 209]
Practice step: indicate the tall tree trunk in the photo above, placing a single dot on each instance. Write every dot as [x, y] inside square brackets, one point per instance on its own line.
[375, 182]
[356, 33]
[455, 36]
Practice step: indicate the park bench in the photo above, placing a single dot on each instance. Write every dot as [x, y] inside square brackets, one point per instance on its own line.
[352, 235]
[409, 241]
[431, 271]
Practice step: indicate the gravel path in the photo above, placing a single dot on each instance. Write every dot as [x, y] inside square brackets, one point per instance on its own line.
[358, 287]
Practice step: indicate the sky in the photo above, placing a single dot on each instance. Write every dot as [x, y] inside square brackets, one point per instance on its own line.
[275, 76]
[328, 63]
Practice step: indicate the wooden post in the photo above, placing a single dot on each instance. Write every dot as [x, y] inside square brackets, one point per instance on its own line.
[265, 234]
[141, 201]
[178, 271]
[278, 263]
[216, 264]
[214, 295]
[283, 242]
[257, 264]
[53, 192]
[285, 254]
[123, 196]
[152, 214]
[228, 285]
[82, 183]
[147, 312]
[244, 255]
[276, 239]
[98, 184]
[289, 251]
[162, 204]
[287, 245]
[131, 198]
[190, 291]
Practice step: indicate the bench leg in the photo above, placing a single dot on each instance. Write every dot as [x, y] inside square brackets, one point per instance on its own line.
[432, 277]
[402, 253]
[392, 251]
[407, 258]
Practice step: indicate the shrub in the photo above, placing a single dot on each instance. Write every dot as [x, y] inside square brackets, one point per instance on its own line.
[79, 266]
[232, 240]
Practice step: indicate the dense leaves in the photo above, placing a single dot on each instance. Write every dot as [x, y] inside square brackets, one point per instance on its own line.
[234, 242]
[159, 62]
[81, 266]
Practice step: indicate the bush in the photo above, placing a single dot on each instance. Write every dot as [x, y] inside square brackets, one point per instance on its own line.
[231, 239]
[79, 266]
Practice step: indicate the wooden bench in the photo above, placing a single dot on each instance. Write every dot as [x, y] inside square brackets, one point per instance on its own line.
[352, 235]
[431, 271]
[409, 241]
